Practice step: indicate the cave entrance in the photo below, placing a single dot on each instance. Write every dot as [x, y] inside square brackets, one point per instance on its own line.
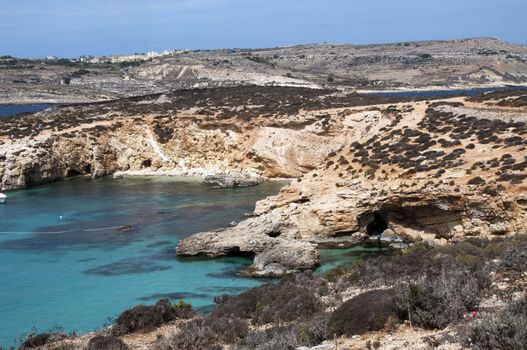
[87, 169]
[147, 163]
[236, 252]
[72, 173]
[377, 226]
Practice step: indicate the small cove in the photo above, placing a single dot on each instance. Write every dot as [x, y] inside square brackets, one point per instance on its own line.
[60, 266]
[65, 262]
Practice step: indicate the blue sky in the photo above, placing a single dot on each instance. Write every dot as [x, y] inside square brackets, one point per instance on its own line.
[69, 28]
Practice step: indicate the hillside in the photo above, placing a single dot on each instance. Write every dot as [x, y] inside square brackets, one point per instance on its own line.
[462, 63]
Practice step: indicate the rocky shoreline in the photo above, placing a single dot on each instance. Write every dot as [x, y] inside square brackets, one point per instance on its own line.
[446, 175]
[467, 295]
[436, 170]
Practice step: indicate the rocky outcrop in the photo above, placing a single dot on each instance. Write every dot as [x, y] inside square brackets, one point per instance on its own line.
[232, 180]
[438, 171]
[101, 139]
[260, 238]
[345, 198]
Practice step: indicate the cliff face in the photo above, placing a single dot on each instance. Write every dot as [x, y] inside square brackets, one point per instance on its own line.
[438, 171]
[276, 132]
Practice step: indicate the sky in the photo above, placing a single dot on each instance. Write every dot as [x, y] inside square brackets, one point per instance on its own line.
[70, 28]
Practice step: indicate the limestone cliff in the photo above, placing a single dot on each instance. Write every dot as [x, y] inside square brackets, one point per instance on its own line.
[436, 170]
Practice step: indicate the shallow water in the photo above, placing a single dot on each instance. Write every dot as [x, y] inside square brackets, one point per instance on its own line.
[60, 267]
[331, 258]
[8, 110]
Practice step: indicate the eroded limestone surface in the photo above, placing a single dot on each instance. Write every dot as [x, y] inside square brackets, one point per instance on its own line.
[437, 170]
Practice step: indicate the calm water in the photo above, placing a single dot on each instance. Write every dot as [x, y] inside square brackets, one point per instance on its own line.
[7, 110]
[59, 267]
[331, 258]
[439, 93]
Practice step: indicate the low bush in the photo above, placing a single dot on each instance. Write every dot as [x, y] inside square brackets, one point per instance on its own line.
[370, 311]
[313, 331]
[35, 340]
[292, 298]
[412, 263]
[505, 331]
[193, 335]
[101, 342]
[476, 181]
[437, 300]
[514, 258]
[207, 333]
[141, 316]
[273, 339]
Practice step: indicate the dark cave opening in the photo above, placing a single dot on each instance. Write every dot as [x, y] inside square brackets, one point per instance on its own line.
[236, 252]
[274, 234]
[87, 168]
[377, 226]
[147, 163]
[72, 172]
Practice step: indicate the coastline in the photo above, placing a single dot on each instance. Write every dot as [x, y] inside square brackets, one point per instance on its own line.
[346, 186]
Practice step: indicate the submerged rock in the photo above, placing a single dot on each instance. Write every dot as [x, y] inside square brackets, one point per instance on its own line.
[232, 180]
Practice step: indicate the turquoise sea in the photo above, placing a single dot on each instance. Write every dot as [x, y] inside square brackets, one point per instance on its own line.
[65, 262]
[60, 266]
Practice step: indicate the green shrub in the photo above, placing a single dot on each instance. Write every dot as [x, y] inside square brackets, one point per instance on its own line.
[183, 309]
[338, 272]
[79, 73]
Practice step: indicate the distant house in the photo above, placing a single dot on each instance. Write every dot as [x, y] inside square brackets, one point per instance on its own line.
[86, 58]
[52, 58]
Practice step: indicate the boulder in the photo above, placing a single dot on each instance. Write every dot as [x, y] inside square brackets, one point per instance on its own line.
[232, 180]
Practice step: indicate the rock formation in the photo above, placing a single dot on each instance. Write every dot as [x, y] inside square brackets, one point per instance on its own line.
[232, 180]
[437, 170]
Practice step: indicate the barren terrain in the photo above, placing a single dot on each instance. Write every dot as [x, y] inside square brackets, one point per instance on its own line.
[478, 62]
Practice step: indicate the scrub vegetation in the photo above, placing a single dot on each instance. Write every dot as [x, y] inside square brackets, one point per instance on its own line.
[425, 286]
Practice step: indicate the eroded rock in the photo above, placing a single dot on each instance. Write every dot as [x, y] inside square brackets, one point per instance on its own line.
[255, 237]
[232, 180]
